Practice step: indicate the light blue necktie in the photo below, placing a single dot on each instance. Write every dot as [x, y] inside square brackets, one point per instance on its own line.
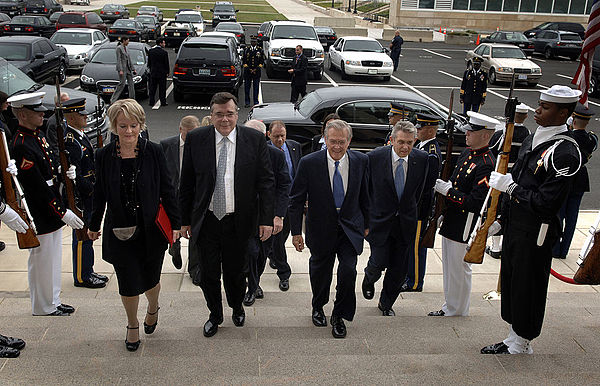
[219, 206]
[399, 178]
[338, 187]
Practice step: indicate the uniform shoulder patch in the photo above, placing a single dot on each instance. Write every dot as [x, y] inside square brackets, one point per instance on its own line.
[26, 164]
[432, 148]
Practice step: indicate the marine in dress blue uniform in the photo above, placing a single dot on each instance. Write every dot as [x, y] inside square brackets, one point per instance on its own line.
[253, 60]
[473, 87]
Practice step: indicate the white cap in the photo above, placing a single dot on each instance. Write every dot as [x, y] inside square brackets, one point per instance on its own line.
[32, 101]
[478, 121]
[560, 94]
[522, 108]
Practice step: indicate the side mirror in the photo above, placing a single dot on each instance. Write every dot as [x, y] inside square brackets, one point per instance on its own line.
[86, 60]
[39, 56]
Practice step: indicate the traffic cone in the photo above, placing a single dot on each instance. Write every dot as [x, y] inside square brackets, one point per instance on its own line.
[477, 42]
[497, 29]
[444, 31]
[440, 29]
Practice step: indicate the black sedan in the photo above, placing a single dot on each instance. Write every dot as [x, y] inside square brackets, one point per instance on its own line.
[364, 108]
[177, 31]
[112, 12]
[327, 36]
[99, 74]
[515, 38]
[4, 20]
[234, 28]
[37, 57]
[132, 29]
[30, 25]
[151, 25]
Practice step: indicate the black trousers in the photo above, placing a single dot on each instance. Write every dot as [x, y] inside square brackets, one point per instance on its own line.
[524, 273]
[321, 274]
[222, 249]
[278, 253]
[297, 89]
[193, 256]
[257, 260]
[161, 83]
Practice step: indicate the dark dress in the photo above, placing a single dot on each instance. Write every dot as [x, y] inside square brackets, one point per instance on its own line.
[133, 188]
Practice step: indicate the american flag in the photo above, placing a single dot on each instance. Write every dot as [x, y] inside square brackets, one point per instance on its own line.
[592, 39]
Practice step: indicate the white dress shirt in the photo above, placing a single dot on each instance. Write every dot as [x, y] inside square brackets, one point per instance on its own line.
[421, 145]
[181, 143]
[395, 160]
[229, 171]
[342, 167]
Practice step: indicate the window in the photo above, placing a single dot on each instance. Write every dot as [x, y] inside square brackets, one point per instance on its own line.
[37, 49]
[20, 52]
[45, 47]
[205, 51]
[71, 18]
[495, 5]
[561, 6]
[486, 50]
[99, 36]
[544, 6]
[571, 37]
[528, 5]
[551, 35]
[479, 50]
[511, 5]
[577, 6]
[460, 4]
[368, 112]
[75, 38]
[426, 4]
[94, 18]
[477, 5]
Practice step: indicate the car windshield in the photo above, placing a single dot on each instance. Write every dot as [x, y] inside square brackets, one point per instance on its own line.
[508, 52]
[15, 51]
[110, 7]
[145, 19]
[543, 25]
[294, 32]
[571, 37]
[224, 8]
[362, 46]
[229, 27]
[75, 38]
[192, 18]
[109, 56]
[13, 80]
[124, 23]
[71, 19]
[23, 20]
[308, 103]
[204, 52]
[147, 9]
[516, 36]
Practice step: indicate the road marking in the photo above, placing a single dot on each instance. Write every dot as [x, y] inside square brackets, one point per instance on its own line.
[444, 108]
[333, 83]
[438, 54]
[71, 78]
[157, 104]
[288, 82]
[539, 60]
[458, 78]
[450, 75]
[565, 76]
[260, 99]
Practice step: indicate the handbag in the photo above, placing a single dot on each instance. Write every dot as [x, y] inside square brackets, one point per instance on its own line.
[164, 224]
[125, 233]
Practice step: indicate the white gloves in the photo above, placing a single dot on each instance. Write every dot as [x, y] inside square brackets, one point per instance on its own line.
[494, 228]
[71, 172]
[500, 181]
[72, 220]
[13, 220]
[442, 187]
[12, 168]
[440, 221]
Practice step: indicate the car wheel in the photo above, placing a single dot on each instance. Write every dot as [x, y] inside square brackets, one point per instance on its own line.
[343, 71]
[318, 75]
[592, 91]
[62, 72]
[387, 78]
[548, 53]
[492, 76]
[177, 95]
[269, 70]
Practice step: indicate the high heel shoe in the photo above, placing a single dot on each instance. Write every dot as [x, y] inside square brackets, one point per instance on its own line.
[149, 328]
[132, 346]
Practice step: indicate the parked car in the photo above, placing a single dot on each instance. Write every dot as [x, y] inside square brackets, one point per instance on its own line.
[261, 30]
[193, 17]
[595, 80]
[176, 32]
[508, 37]
[234, 28]
[150, 10]
[4, 20]
[132, 29]
[362, 56]
[205, 65]
[557, 26]
[80, 44]
[99, 73]
[76, 19]
[54, 17]
[557, 43]
[223, 11]
[12, 7]
[151, 25]
[80, 2]
[112, 12]
[42, 7]
[502, 60]
[327, 36]
[364, 108]
[30, 26]
[14, 81]
[37, 57]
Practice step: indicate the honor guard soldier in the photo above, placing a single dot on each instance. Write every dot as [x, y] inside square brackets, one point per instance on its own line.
[398, 112]
[465, 193]
[588, 142]
[473, 87]
[535, 190]
[81, 158]
[519, 134]
[427, 126]
[38, 170]
[252, 60]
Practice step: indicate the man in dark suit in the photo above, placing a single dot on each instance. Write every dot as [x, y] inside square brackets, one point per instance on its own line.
[335, 183]
[158, 62]
[173, 149]
[299, 73]
[226, 192]
[292, 152]
[258, 250]
[397, 176]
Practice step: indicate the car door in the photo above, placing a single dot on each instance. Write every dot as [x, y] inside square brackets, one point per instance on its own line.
[39, 66]
[46, 27]
[52, 56]
[337, 54]
[369, 122]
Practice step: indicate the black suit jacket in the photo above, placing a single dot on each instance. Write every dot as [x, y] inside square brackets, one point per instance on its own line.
[158, 62]
[315, 143]
[282, 180]
[170, 147]
[253, 176]
[300, 75]
[322, 219]
[384, 200]
[295, 150]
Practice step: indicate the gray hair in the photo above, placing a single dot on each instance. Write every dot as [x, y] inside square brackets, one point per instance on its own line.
[338, 124]
[256, 124]
[63, 98]
[405, 127]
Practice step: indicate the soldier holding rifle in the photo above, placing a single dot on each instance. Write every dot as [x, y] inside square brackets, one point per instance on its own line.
[535, 190]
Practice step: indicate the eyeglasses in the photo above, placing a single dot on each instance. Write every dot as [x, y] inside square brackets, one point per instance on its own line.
[332, 142]
[221, 115]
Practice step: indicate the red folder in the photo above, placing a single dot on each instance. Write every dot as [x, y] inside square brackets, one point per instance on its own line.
[164, 224]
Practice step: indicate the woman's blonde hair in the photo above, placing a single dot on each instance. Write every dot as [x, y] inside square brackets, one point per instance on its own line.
[205, 121]
[130, 108]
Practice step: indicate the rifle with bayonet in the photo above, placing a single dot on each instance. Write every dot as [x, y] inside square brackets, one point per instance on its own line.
[428, 238]
[99, 139]
[478, 238]
[81, 234]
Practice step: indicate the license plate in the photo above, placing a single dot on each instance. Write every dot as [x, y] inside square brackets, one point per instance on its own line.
[17, 28]
[203, 71]
[176, 33]
[372, 71]
[522, 77]
[108, 89]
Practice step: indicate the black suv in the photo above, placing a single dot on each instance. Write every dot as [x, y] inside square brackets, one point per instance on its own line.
[559, 26]
[12, 7]
[42, 7]
[206, 65]
[36, 56]
[552, 43]
[223, 11]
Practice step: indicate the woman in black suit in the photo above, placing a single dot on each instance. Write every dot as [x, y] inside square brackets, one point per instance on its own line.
[133, 179]
[318, 141]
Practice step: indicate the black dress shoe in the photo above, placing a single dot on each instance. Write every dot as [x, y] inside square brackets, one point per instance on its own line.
[11, 342]
[239, 317]
[56, 313]
[436, 313]
[195, 274]
[9, 352]
[149, 328]
[386, 311]
[66, 308]
[132, 346]
[211, 328]
[498, 348]
[259, 293]
[175, 252]
[100, 277]
[249, 298]
[92, 282]
[495, 255]
[284, 284]
[368, 289]
[338, 328]
[2, 245]
[318, 318]
[164, 104]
